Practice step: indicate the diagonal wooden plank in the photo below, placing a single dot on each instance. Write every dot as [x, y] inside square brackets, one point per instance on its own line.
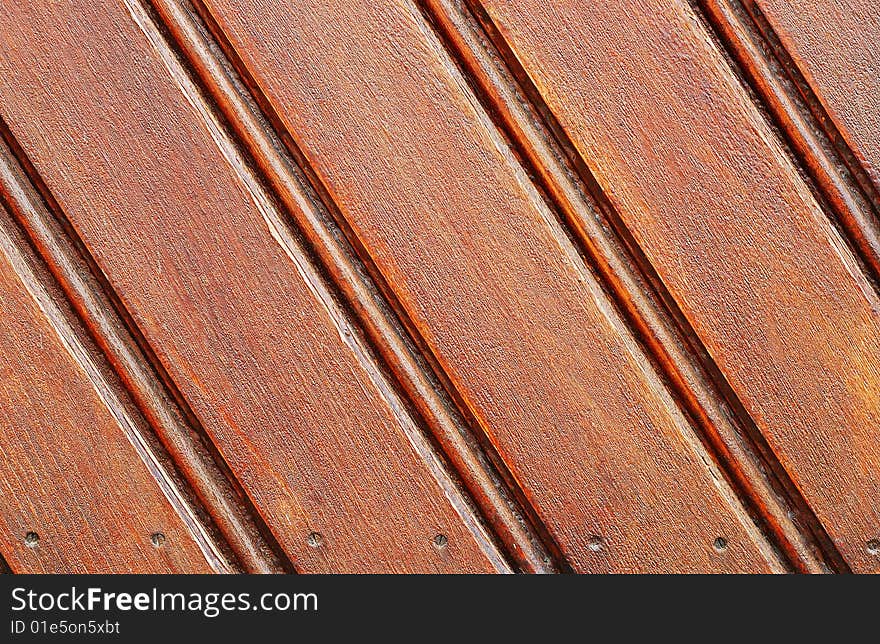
[831, 48]
[669, 339]
[821, 145]
[245, 326]
[313, 216]
[79, 486]
[707, 191]
[491, 282]
[39, 222]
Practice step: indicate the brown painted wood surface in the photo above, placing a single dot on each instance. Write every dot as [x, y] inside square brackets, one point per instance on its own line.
[76, 496]
[709, 194]
[817, 141]
[439, 286]
[834, 44]
[493, 286]
[328, 458]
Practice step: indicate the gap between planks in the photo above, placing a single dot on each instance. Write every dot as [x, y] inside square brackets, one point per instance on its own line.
[304, 221]
[100, 334]
[838, 180]
[604, 243]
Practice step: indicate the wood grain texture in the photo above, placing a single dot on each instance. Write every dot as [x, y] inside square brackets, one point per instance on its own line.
[669, 339]
[292, 399]
[698, 177]
[313, 216]
[42, 225]
[493, 285]
[834, 45]
[68, 473]
[846, 189]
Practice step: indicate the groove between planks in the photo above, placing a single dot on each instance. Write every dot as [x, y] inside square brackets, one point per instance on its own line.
[675, 350]
[110, 390]
[192, 45]
[311, 210]
[723, 425]
[717, 203]
[273, 72]
[227, 509]
[845, 189]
